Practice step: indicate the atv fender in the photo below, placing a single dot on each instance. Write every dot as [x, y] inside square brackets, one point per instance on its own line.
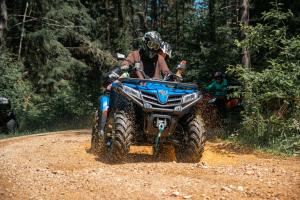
[103, 108]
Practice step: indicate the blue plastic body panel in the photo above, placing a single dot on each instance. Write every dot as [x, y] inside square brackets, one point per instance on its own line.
[104, 103]
[162, 89]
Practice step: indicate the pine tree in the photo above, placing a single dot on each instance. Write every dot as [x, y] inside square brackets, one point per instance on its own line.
[3, 20]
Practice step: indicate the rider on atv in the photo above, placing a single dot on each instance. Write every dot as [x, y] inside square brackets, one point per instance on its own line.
[219, 89]
[151, 56]
[149, 111]
[151, 62]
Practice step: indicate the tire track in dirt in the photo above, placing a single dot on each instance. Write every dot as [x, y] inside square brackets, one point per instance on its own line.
[59, 166]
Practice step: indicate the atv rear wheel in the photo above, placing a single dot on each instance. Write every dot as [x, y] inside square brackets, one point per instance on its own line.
[122, 135]
[192, 145]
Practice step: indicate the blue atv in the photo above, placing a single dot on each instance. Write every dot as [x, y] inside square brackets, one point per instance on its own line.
[143, 112]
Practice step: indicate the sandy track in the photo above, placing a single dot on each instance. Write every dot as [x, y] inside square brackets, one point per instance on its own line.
[58, 166]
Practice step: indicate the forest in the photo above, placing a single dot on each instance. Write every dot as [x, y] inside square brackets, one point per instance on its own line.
[53, 54]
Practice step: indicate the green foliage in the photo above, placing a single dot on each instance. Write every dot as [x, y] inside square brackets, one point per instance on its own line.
[59, 73]
[272, 85]
[12, 83]
[192, 40]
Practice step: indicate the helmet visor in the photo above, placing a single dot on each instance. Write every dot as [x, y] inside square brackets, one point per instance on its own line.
[153, 45]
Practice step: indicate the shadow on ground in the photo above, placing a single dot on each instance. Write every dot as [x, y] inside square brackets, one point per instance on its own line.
[142, 155]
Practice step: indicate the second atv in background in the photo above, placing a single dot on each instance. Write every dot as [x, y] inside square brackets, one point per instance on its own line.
[8, 122]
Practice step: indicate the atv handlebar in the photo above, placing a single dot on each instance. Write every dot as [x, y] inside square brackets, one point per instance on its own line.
[118, 72]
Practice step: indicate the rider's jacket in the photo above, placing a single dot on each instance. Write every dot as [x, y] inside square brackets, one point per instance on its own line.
[153, 68]
[218, 88]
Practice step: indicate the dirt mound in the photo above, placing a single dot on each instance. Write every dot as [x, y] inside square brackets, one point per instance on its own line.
[58, 166]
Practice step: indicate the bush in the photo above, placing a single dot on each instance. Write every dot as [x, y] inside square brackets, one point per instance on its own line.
[271, 86]
[12, 84]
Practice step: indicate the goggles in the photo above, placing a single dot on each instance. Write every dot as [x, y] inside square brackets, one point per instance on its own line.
[153, 45]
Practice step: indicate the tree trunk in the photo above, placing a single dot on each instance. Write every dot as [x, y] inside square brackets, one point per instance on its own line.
[131, 10]
[245, 22]
[3, 21]
[118, 5]
[108, 40]
[22, 31]
[212, 21]
[145, 12]
[177, 22]
[154, 14]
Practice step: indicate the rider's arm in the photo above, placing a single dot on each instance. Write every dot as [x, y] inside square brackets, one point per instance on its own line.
[210, 86]
[161, 68]
[139, 75]
[130, 60]
[224, 85]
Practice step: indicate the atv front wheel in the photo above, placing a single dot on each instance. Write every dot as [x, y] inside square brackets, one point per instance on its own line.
[11, 126]
[122, 135]
[192, 145]
[96, 143]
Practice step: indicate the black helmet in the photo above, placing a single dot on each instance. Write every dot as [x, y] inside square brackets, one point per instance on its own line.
[166, 48]
[152, 42]
[218, 75]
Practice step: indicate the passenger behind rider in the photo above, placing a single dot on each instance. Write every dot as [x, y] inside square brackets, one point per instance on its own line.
[153, 64]
[165, 50]
[219, 89]
[166, 53]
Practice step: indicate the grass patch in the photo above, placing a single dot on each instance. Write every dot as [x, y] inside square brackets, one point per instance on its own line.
[278, 146]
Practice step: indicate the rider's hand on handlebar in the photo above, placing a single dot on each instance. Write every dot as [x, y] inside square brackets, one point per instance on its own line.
[172, 77]
[167, 76]
[125, 67]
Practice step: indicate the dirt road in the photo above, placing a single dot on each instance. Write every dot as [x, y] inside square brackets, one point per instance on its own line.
[58, 166]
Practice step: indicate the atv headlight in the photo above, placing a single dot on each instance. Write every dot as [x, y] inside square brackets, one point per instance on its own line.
[131, 92]
[190, 97]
